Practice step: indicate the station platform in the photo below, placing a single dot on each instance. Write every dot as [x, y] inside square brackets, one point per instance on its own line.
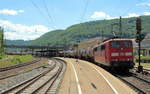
[83, 77]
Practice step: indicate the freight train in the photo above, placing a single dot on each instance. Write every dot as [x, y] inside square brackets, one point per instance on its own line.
[113, 53]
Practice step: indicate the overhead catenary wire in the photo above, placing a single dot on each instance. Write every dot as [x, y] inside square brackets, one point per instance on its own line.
[48, 13]
[84, 10]
[129, 9]
[40, 11]
[120, 21]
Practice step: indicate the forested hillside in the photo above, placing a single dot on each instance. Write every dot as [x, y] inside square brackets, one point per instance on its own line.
[49, 38]
[16, 42]
[92, 29]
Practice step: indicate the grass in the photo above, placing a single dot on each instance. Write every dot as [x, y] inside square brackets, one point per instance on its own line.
[3, 56]
[143, 57]
[145, 65]
[16, 59]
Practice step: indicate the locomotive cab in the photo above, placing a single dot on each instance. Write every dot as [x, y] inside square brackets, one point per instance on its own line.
[121, 53]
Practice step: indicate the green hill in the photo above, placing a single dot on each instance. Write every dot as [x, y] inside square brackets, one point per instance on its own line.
[49, 38]
[83, 31]
[16, 42]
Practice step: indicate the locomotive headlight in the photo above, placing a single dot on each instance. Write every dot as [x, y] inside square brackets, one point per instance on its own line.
[116, 59]
[114, 54]
[128, 54]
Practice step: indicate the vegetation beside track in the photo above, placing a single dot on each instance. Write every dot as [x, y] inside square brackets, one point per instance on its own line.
[145, 65]
[143, 57]
[145, 61]
[15, 59]
[2, 56]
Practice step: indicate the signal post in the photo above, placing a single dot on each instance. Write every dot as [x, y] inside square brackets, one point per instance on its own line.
[139, 39]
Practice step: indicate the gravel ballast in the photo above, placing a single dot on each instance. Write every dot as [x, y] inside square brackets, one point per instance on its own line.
[14, 80]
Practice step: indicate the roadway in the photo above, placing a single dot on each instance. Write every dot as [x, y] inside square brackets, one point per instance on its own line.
[83, 77]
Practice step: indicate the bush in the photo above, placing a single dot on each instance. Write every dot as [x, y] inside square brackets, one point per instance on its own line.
[144, 59]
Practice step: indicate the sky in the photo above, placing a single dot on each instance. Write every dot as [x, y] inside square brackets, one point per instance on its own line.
[29, 19]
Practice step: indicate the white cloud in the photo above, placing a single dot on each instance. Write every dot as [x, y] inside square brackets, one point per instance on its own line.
[109, 18]
[143, 4]
[100, 14]
[20, 31]
[103, 15]
[10, 11]
[146, 13]
[131, 15]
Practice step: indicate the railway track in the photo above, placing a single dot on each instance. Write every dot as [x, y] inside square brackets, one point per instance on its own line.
[144, 76]
[140, 76]
[145, 71]
[5, 77]
[19, 65]
[142, 86]
[140, 82]
[15, 70]
[42, 83]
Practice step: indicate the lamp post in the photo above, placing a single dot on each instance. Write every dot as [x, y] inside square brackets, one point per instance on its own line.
[77, 50]
[65, 45]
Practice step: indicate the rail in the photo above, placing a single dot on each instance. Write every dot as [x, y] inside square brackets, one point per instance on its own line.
[135, 82]
[19, 65]
[20, 88]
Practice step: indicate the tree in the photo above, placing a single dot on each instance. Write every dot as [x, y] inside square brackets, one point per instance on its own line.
[1, 41]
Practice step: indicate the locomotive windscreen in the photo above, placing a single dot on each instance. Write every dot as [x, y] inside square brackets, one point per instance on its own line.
[115, 44]
[127, 44]
[118, 44]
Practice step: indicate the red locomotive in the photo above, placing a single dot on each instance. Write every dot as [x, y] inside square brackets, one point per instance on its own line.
[114, 53]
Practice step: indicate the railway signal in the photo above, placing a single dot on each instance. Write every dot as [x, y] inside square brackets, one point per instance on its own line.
[139, 39]
[138, 25]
